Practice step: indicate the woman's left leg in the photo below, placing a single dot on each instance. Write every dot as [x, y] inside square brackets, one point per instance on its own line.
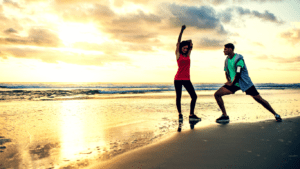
[178, 90]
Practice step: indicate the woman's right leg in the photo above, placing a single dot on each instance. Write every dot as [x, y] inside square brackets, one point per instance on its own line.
[178, 89]
[190, 89]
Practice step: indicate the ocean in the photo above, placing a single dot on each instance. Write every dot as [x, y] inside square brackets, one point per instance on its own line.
[60, 91]
[70, 125]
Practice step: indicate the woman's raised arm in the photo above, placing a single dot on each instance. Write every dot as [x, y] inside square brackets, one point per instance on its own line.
[178, 42]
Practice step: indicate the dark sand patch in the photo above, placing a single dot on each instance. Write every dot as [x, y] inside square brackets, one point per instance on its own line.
[267, 144]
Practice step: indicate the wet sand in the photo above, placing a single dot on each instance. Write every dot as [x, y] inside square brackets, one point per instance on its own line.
[258, 145]
[82, 133]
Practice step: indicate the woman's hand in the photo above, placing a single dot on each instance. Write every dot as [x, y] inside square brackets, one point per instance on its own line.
[191, 44]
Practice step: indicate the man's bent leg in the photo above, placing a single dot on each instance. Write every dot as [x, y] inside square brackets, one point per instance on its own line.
[218, 96]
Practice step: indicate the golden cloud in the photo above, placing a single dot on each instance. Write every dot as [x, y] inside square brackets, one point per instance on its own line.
[113, 47]
[292, 36]
[276, 59]
[36, 37]
[211, 44]
[55, 56]
[140, 27]
[11, 3]
[135, 31]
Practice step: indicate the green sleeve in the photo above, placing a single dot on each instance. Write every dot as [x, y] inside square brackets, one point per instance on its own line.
[240, 63]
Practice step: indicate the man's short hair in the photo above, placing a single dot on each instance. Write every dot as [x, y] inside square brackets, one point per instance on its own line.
[229, 45]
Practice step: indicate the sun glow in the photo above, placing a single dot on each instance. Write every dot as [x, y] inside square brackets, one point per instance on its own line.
[70, 33]
[130, 8]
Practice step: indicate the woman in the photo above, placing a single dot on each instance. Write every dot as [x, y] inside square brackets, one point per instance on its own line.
[183, 51]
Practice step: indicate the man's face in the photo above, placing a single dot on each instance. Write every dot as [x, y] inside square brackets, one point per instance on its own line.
[227, 51]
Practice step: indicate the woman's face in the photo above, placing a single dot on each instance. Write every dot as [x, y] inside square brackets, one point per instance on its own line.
[184, 49]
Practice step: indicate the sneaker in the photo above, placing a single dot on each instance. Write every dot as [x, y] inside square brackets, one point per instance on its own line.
[223, 119]
[194, 118]
[278, 118]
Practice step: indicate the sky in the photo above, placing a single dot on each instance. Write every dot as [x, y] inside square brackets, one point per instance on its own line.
[135, 40]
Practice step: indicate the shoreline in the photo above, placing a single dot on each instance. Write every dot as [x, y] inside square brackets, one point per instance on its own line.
[68, 133]
[267, 144]
[30, 95]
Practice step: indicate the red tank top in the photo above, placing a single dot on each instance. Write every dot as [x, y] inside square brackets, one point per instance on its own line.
[183, 72]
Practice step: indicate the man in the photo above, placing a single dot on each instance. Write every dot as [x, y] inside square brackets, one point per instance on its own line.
[237, 78]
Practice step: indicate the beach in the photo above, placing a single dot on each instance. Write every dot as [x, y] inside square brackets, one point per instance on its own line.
[128, 130]
[258, 145]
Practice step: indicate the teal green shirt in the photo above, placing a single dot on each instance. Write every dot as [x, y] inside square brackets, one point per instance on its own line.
[231, 68]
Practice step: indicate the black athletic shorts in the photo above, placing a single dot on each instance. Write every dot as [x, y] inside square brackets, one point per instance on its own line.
[251, 91]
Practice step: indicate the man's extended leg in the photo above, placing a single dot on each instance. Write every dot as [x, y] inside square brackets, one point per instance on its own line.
[218, 96]
[264, 103]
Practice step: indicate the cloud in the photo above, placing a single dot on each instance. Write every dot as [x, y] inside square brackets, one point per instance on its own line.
[292, 36]
[34, 1]
[78, 1]
[10, 30]
[267, 16]
[199, 2]
[211, 44]
[67, 2]
[36, 37]
[203, 17]
[261, 1]
[135, 27]
[8, 22]
[54, 56]
[120, 3]
[11, 3]
[227, 15]
[113, 48]
[139, 27]
[96, 13]
[218, 2]
[44, 37]
[277, 59]
[258, 44]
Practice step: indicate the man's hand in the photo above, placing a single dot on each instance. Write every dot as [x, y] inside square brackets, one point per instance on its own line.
[183, 27]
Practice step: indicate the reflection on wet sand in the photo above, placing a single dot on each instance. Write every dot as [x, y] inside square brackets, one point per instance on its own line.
[72, 134]
[193, 123]
[77, 133]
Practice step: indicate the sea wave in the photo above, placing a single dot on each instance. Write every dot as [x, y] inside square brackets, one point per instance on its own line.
[54, 91]
[197, 86]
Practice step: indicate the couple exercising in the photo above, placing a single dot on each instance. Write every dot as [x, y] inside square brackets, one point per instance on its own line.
[236, 74]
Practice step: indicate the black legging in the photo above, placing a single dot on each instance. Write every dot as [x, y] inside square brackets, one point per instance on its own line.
[189, 87]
